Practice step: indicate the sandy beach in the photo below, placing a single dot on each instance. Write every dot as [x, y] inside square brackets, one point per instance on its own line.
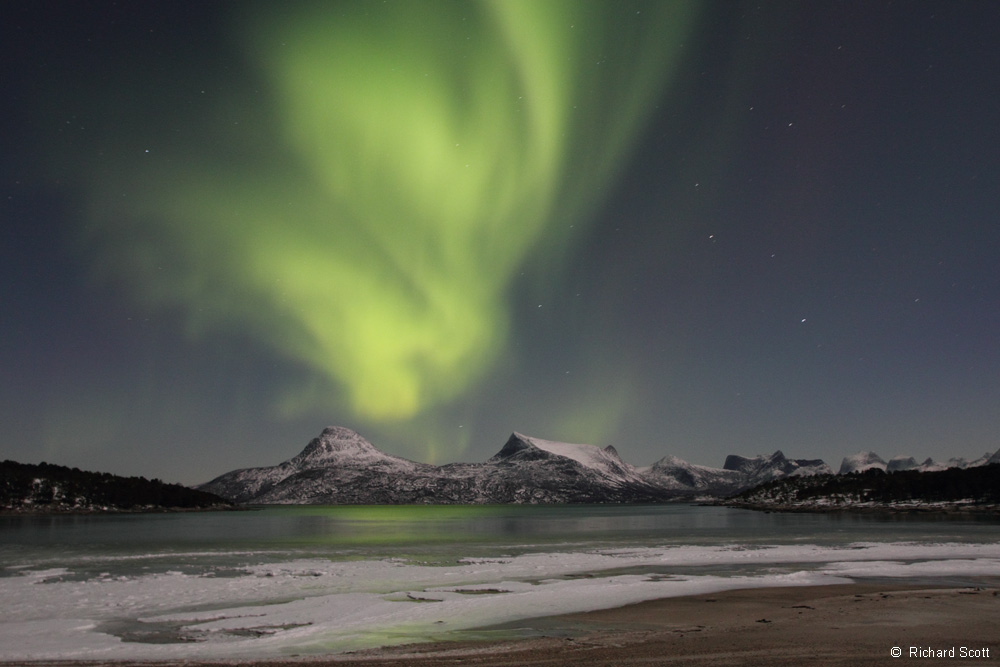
[853, 624]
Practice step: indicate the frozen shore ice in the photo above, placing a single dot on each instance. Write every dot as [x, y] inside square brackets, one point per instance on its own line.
[325, 606]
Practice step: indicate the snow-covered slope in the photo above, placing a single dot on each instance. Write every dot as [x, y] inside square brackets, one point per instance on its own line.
[985, 459]
[589, 456]
[904, 463]
[536, 470]
[686, 478]
[603, 462]
[337, 450]
[339, 445]
[860, 462]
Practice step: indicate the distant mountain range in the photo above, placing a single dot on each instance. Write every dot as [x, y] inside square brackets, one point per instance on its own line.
[342, 467]
[868, 460]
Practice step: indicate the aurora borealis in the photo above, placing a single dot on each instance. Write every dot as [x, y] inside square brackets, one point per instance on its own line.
[677, 227]
[410, 160]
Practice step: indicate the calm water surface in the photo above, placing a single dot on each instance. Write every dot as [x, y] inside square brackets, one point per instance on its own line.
[429, 533]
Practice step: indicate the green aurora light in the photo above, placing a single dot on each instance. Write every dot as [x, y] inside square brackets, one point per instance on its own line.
[368, 220]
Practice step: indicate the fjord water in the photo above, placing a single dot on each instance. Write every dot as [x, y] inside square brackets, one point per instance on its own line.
[448, 532]
[309, 579]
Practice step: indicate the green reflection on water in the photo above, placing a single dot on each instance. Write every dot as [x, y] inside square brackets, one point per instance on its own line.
[373, 525]
[395, 513]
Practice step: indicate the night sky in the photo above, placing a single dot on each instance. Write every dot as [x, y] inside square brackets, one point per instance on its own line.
[688, 229]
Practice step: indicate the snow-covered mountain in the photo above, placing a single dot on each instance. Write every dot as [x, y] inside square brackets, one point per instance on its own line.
[866, 460]
[341, 467]
[604, 462]
[737, 473]
[337, 445]
[903, 463]
[862, 461]
[688, 479]
[760, 469]
[324, 471]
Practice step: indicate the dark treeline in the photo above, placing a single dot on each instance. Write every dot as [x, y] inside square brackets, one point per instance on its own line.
[48, 487]
[980, 485]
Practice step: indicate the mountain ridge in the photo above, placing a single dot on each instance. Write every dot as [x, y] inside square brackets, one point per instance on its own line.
[863, 461]
[342, 467]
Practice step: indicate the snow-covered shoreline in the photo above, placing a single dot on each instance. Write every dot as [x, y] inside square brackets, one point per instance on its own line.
[318, 606]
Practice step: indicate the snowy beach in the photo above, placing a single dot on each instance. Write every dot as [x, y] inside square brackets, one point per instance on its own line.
[852, 624]
[321, 582]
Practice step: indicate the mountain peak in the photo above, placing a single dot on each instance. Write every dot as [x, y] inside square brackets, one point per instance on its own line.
[520, 446]
[903, 462]
[336, 442]
[605, 462]
[590, 456]
[670, 461]
[862, 461]
[748, 464]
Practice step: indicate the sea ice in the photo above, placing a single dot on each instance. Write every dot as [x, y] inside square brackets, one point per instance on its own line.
[314, 605]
